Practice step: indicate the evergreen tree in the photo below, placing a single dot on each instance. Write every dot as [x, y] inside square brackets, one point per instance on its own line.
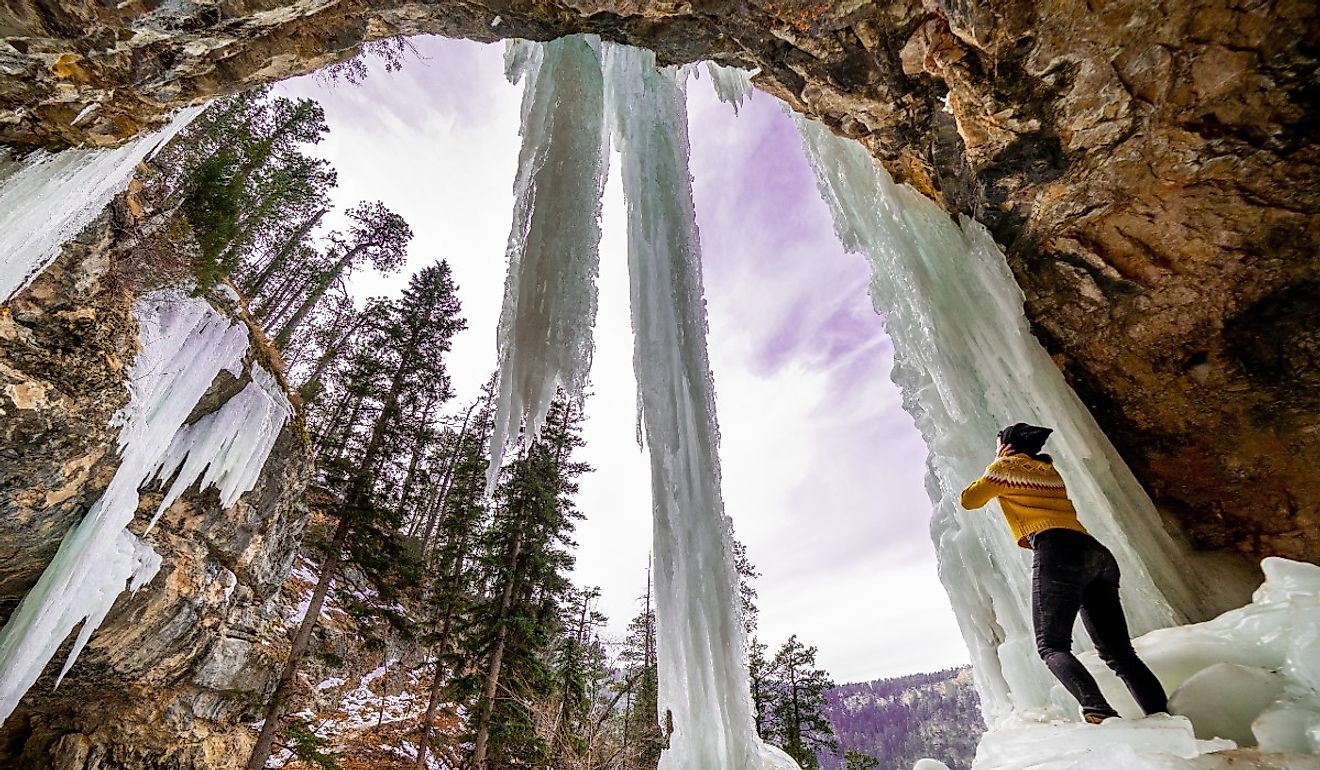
[525, 557]
[748, 612]
[643, 738]
[457, 513]
[238, 176]
[399, 366]
[856, 760]
[377, 235]
[758, 676]
[578, 662]
[796, 714]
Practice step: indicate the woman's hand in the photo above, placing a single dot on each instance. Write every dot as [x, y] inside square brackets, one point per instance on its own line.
[1002, 449]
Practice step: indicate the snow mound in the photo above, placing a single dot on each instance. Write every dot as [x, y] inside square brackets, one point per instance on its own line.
[1246, 678]
[1256, 664]
[1019, 743]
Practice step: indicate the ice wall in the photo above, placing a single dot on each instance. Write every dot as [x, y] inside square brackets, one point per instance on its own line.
[46, 198]
[185, 344]
[703, 669]
[544, 335]
[968, 365]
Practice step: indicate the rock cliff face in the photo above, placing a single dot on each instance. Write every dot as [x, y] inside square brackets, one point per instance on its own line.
[164, 681]
[1150, 168]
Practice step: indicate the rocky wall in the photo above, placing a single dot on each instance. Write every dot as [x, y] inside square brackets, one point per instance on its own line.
[167, 678]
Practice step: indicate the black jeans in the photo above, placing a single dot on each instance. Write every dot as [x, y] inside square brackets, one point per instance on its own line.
[1072, 572]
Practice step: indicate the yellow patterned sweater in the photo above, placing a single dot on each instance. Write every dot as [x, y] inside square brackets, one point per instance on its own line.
[1031, 494]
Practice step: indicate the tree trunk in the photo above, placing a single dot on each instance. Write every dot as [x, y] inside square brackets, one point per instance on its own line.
[318, 290]
[276, 262]
[275, 707]
[433, 702]
[284, 294]
[405, 490]
[487, 702]
[434, 514]
[310, 387]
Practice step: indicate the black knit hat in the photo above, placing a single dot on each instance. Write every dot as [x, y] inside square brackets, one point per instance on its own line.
[1024, 438]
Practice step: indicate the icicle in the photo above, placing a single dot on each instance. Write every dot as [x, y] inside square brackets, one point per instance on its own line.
[703, 666]
[550, 294]
[228, 448]
[46, 198]
[968, 365]
[185, 344]
[732, 85]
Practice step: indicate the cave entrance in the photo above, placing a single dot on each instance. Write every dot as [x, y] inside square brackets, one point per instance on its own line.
[823, 470]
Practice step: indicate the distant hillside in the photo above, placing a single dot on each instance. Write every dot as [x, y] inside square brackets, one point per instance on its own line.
[899, 721]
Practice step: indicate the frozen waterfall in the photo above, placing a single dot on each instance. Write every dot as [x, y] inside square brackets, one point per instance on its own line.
[545, 342]
[46, 198]
[185, 344]
[968, 365]
[550, 294]
[703, 667]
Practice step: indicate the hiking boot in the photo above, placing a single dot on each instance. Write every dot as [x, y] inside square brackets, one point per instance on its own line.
[1096, 717]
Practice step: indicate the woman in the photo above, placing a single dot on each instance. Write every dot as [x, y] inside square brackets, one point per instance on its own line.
[1071, 572]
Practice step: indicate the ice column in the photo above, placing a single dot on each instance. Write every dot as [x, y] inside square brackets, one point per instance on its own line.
[550, 294]
[46, 198]
[968, 365]
[185, 344]
[703, 668]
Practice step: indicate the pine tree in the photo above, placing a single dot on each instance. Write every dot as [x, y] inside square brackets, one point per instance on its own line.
[399, 366]
[458, 513]
[797, 722]
[578, 662]
[377, 235]
[748, 612]
[239, 177]
[643, 738]
[758, 676]
[526, 559]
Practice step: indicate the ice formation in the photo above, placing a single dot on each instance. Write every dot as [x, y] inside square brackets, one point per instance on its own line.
[1154, 743]
[968, 365]
[550, 294]
[703, 669]
[1250, 677]
[185, 344]
[46, 198]
[732, 85]
[545, 342]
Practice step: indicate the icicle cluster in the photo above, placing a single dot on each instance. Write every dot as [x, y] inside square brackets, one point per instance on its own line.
[968, 365]
[732, 85]
[544, 339]
[703, 667]
[549, 309]
[46, 198]
[185, 344]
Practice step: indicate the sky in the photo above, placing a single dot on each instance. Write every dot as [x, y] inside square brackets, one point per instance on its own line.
[823, 470]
